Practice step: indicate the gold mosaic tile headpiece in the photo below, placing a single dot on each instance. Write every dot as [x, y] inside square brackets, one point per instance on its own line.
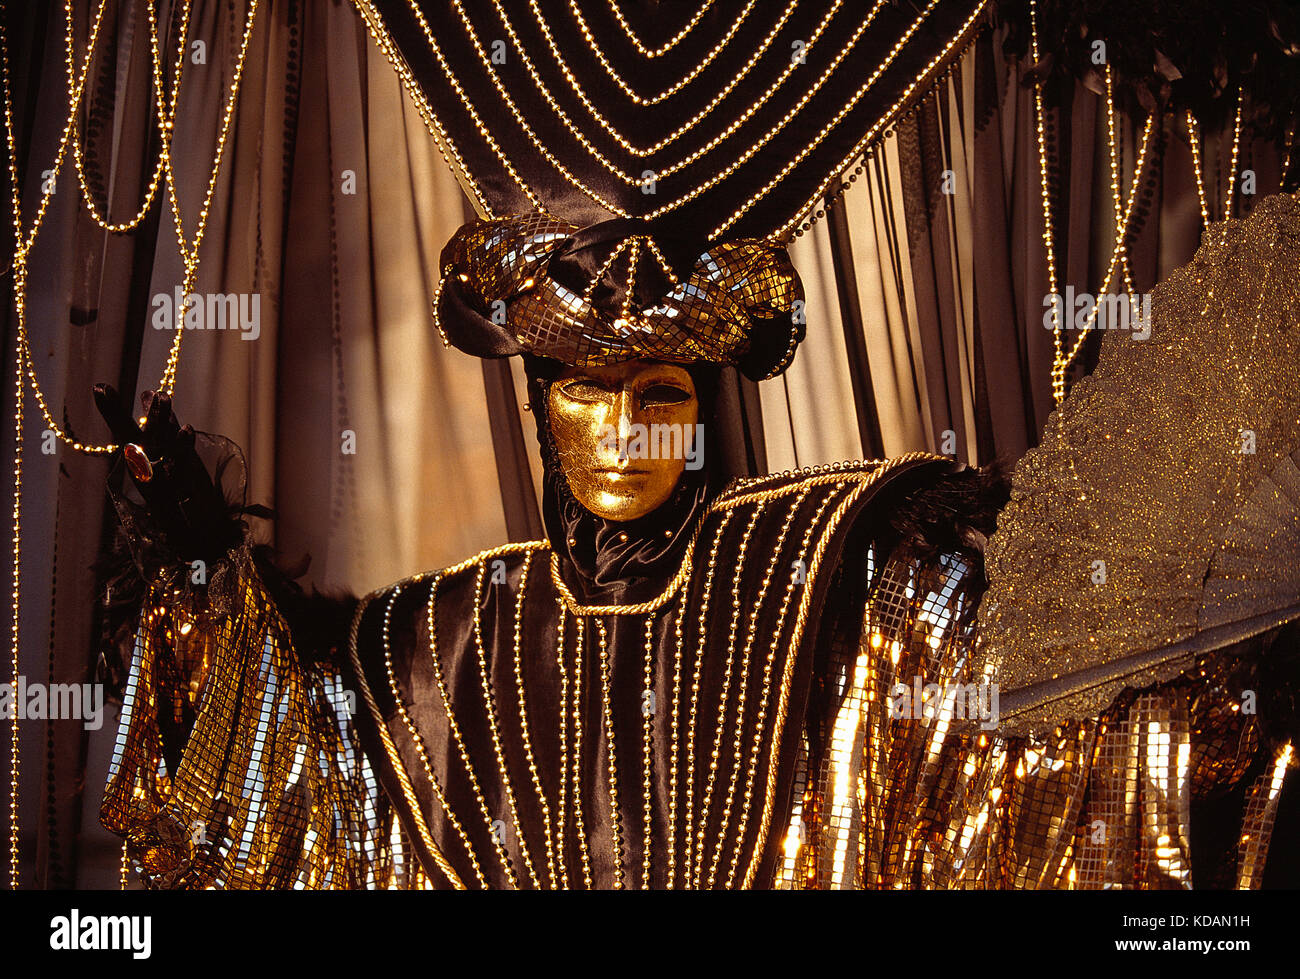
[613, 292]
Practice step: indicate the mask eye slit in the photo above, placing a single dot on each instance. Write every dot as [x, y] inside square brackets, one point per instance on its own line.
[662, 393]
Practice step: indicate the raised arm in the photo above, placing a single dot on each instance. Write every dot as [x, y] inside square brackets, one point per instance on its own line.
[236, 762]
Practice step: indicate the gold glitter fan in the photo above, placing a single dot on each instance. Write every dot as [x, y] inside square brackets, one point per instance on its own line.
[1160, 517]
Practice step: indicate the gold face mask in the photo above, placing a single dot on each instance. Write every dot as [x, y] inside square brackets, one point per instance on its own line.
[625, 433]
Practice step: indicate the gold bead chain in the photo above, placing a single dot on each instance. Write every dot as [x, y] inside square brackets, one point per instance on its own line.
[613, 207]
[694, 73]
[633, 258]
[1194, 139]
[561, 839]
[750, 635]
[416, 740]
[689, 124]
[489, 707]
[814, 207]
[14, 666]
[432, 124]
[1229, 190]
[165, 105]
[23, 242]
[671, 43]
[807, 96]
[497, 843]
[647, 749]
[523, 721]
[886, 119]
[1061, 361]
[1121, 244]
[165, 116]
[715, 753]
[1062, 364]
[615, 821]
[483, 131]
[24, 365]
[760, 719]
[688, 816]
[190, 252]
[604, 267]
[677, 689]
[578, 826]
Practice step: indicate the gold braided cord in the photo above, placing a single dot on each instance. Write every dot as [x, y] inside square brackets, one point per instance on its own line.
[417, 740]
[760, 720]
[672, 42]
[707, 591]
[640, 608]
[459, 740]
[408, 792]
[726, 501]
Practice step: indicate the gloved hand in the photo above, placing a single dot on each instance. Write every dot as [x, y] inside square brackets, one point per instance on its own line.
[185, 507]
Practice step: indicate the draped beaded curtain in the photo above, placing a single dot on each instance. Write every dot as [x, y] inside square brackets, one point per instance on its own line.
[924, 304]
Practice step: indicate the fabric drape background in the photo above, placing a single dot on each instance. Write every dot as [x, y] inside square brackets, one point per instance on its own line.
[383, 452]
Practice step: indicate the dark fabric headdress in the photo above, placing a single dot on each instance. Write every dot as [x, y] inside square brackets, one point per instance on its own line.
[640, 166]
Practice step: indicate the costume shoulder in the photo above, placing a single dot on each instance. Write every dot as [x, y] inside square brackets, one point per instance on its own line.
[923, 503]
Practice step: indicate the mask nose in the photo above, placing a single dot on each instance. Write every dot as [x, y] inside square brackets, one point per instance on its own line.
[623, 408]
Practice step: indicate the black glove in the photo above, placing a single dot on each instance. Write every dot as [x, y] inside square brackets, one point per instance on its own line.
[187, 516]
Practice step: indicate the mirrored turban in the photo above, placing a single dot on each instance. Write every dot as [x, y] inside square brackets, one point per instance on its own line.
[616, 291]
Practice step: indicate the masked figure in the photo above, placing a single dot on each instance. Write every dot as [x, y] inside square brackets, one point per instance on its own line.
[778, 681]
[708, 679]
